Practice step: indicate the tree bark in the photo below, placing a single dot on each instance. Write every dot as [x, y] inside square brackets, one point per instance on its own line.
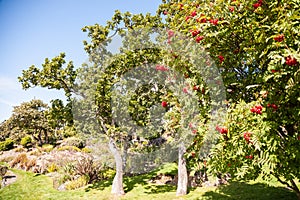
[295, 188]
[182, 172]
[117, 185]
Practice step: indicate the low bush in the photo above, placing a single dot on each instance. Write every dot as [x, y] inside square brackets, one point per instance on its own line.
[87, 167]
[86, 150]
[6, 145]
[47, 148]
[30, 164]
[20, 160]
[52, 168]
[78, 183]
[74, 141]
[26, 141]
[106, 174]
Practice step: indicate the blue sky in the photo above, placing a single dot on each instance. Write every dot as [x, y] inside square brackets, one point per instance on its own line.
[32, 30]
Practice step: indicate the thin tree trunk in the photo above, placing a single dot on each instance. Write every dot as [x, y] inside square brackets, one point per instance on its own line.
[295, 188]
[182, 172]
[117, 186]
[125, 149]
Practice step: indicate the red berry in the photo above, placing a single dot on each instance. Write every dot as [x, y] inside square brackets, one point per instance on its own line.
[165, 12]
[193, 154]
[196, 87]
[224, 131]
[274, 70]
[279, 38]
[170, 33]
[214, 21]
[201, 20]
[161, 68]
[187, 18]
[221, 58]
[195, 32]
[256, 5]
[247, 136]
[194, 131]
[185, 90]
[274, 106]
[291, 61]
[164, 104]
[231, 8]
[199, 38]
[194, 13]
[259, 107]
[181, 6]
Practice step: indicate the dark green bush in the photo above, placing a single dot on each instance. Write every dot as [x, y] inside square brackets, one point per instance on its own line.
[6, 145]
[26, 141]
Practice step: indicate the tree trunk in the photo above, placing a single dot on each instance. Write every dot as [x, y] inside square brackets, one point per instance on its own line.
[182, 172]
[117, 186]
[295, 188]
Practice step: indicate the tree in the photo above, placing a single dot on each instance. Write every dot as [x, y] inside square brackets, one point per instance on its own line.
[30, 118]
[256, 46]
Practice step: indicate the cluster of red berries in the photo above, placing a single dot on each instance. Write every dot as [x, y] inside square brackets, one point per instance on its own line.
[199, 38]
[164, 104]
[221, 58]
[170, 33]
[247, 136]
[257, 109]
[231, 8]
[274, 106]
[161, 68]
[279, 38]
[214, 21]
[291, 61]
[257, 4]
[195, 32]
[249, 157]
[222, 130]
[274, 70]
[185, 90]
[202, 20]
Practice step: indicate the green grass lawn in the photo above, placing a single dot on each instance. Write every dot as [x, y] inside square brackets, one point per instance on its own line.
[30, 186]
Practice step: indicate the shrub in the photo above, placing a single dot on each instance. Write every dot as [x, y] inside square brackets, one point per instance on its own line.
[74, 141]
[47, 148]
[106, 174]
[52, 168]
[26, 141]
[86, 150]
[30, 163]
[78, 183]
[21, 159]
[69, 131]
[86, 166]
[6, 145]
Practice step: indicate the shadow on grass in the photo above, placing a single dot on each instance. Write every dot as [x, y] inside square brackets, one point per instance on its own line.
[101, 185]
[151, 189]
[132, 181]
[258, 191]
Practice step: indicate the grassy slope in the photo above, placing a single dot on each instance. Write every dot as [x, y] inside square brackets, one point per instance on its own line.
[30, 186]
